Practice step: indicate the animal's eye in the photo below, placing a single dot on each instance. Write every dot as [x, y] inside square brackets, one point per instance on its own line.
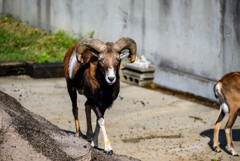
[102, 61]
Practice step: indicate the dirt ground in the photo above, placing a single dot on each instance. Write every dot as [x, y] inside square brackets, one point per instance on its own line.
[143, 123]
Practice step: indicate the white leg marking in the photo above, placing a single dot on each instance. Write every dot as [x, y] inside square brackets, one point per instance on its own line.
[228, 130]
[217, 89]
[225, 107]
[106, 140]
[72, 64]
[231, 150]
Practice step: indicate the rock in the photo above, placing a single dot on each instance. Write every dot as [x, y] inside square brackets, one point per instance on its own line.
[27, 136]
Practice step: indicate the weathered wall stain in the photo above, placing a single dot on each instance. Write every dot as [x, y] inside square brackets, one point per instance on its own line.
[200, 38]
[39, 6]
[236, 19]
[143, 26]
[3, 6]
[166, 5]
[48, 14]
[124, 18]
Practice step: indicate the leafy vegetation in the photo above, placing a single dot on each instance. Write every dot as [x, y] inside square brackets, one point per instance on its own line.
[20, 42]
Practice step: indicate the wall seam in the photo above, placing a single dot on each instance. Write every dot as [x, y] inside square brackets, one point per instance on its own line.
[222, 12]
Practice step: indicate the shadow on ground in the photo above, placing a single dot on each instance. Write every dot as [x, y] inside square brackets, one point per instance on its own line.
[222, 137]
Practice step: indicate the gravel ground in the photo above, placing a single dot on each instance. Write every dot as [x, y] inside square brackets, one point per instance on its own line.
[143, 123]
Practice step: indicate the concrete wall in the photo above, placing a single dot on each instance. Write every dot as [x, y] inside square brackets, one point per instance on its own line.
[231, 36]
[191, 42]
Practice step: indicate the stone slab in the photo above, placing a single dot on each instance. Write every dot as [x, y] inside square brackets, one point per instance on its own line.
[140, 76]
[45, 70]
[135, 68]
[12, 68]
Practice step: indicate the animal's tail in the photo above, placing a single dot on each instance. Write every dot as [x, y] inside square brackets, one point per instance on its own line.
[218, 92]
[215, 90]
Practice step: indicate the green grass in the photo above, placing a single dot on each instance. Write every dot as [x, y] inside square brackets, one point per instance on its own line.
[20, 42]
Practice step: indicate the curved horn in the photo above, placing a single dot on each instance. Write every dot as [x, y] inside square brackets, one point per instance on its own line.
[87, 44]
[127, 43]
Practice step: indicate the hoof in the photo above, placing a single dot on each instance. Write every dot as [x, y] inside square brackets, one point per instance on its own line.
[89, 136]
[236, 155]
[217, 149]
[89, 139]
[79, 135]
[232, 151]
[110, 152]
[84, 137]
[95, 147]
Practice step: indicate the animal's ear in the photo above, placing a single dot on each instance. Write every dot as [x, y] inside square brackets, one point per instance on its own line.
[95, 53]
[124, 53]
[127, 43]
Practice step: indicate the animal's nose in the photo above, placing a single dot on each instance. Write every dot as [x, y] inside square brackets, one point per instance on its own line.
[110, 79]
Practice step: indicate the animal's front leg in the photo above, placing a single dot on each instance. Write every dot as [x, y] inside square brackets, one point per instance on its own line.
[108, 148]
[101, 124]
[94, 142]
[89, 122]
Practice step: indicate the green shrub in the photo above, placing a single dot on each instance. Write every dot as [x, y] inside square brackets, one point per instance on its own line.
[20, 42]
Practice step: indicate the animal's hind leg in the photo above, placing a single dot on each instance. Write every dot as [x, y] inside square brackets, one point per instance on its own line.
[89, 122]
[75, 114]
[228, 130]
[216, 130]
[73, 95]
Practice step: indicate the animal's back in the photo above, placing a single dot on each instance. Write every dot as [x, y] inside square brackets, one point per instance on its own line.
[230, 86]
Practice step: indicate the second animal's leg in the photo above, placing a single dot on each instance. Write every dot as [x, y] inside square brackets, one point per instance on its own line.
[216, 130]
[89, 122]
[73, 95]
[101, 123]
[228, 130]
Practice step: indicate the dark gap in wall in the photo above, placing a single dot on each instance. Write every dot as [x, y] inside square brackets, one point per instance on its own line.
[3, 6]
[236, 20]
[39, 13]
[48, 15]
[143, 26]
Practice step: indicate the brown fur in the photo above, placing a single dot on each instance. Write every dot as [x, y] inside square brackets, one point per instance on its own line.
[67, 58]
[94, 77]
[229, 94]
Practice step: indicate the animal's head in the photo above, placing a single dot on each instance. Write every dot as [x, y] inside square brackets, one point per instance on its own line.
[109, 55]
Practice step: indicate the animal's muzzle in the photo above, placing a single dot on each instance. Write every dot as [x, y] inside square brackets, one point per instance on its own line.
[110, 76]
